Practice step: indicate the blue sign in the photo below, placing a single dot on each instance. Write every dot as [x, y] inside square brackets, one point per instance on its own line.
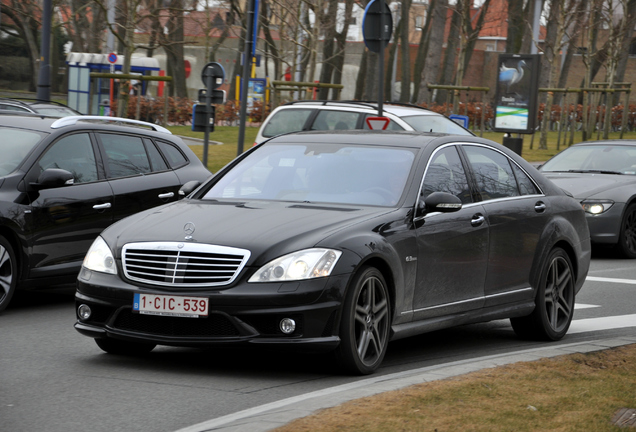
[461, 120]
[112, 58]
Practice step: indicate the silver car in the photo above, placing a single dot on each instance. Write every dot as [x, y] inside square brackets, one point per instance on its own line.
[602, 176]
[345, 115]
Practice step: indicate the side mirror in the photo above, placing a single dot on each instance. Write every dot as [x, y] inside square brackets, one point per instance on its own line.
[187, 188]
[440, 202]
[53, 178]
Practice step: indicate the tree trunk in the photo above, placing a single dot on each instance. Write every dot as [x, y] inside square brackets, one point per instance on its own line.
[515, 26]
[361, 79]
[405, 78]
[329, 27]
[435, 41]
[420, 56]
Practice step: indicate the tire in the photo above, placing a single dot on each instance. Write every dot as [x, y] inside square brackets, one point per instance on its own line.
[365, 324]
[120, 347]
[554, 303]
[627, 235]
[8, 273]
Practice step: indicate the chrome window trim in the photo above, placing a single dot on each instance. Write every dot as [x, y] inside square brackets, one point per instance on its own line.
[482, 298]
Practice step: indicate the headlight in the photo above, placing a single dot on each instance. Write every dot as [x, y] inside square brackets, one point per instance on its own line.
[597, 207]
[305, 264]
[99, 258]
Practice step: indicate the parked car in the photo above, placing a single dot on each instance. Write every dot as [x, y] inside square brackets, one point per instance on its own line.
[342, 242]
[602, 177]
[62, 181]
[345, 115]
[49, 108]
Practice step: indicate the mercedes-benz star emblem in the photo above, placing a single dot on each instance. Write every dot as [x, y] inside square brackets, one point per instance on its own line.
[188, 229]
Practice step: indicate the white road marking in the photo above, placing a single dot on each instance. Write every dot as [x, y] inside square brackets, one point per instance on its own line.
[584, 306]
[613, 280]
[604, 323]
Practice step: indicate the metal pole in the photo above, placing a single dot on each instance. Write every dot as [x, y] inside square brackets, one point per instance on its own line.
[44, 77]
[245, 77]
[381, 59]
[206, 136]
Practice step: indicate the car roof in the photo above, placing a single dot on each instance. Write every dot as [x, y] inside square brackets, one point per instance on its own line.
[396, 108]
[50, 124]
[414, 139]
[617, 142]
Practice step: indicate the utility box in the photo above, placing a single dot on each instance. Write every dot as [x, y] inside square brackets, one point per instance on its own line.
[514, 144]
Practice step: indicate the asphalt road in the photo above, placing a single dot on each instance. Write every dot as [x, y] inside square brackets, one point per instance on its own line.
[53, 379]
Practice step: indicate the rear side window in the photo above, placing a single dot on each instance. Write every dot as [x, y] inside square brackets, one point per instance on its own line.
[125, 155]
[158, 164]
[285, 121]
[173, 155]
[492, 172]
[435, 123]
[335, 120]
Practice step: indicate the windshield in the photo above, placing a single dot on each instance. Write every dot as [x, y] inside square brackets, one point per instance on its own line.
[605, 159]
[434, 123]
[319, 173]
[15, 146]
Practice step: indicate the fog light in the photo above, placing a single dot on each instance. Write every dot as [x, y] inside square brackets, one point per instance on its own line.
[84, 311]
[287, 325]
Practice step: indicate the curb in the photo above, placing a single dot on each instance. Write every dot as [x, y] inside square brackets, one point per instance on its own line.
[276, 414]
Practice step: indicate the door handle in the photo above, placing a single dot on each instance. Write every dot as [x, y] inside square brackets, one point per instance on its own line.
[101, 206]
[477, 220]
[166, 195]
[540, 207]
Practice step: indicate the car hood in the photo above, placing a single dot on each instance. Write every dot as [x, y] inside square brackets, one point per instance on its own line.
[587, 185]
[259, 226]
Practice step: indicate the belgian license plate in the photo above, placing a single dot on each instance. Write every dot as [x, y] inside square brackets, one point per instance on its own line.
[152, 304]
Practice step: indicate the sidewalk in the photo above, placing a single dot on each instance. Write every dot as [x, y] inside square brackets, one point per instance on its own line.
[270, 416]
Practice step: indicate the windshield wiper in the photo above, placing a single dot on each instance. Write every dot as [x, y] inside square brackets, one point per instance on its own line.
[596, 171]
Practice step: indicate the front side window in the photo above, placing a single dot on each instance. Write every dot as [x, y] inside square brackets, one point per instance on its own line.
[493, 173]
[319, 173]
[73, 153]
[15, 145]
[125, 155]
[445, 173]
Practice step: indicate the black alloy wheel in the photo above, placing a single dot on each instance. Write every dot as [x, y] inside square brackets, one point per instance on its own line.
[8, 273]
[366, 321]
[121, 347]
[627, 235]
[554, 308]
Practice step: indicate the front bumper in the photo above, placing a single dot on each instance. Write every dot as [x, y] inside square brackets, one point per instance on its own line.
[605, 227]
[242, 314]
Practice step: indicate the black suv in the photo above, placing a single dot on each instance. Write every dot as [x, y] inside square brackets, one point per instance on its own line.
[63, 180]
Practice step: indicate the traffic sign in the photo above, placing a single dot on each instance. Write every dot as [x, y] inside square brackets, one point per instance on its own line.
[214, 71]
[376, 38]
[112, 58]
[378, 123]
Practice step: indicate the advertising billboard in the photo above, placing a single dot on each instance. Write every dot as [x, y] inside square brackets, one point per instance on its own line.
[517, 91]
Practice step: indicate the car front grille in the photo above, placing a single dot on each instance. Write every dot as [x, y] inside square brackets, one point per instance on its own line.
[182, 264]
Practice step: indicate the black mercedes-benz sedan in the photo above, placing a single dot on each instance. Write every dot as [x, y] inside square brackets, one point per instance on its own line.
[63, 180]
[341, 242]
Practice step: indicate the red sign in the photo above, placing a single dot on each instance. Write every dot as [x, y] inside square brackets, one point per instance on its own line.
[112, 58]
[188, 68]
[378, 123]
